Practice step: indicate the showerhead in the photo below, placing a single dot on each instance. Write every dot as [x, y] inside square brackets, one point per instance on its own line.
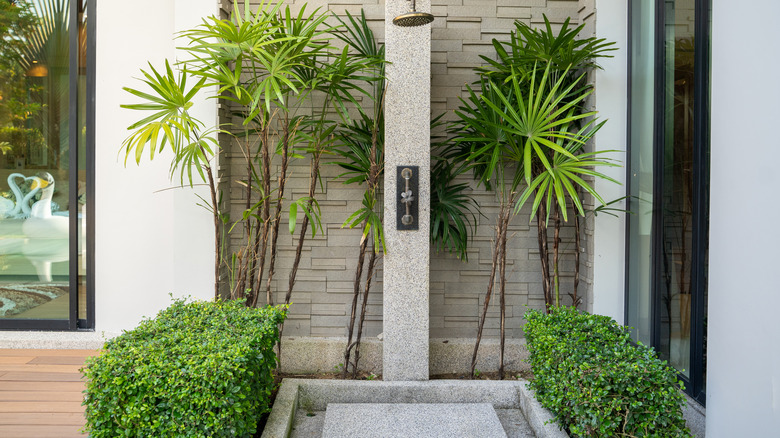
[413, 18]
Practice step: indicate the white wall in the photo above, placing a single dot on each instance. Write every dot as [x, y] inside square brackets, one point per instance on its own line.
[743, 356]
[147, 243]
[611, 103]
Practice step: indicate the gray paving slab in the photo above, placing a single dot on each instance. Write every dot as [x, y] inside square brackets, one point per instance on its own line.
[412, 420]
[316, 394]
[308, 424]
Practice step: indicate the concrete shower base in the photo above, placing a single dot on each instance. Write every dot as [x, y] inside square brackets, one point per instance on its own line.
[519, 412]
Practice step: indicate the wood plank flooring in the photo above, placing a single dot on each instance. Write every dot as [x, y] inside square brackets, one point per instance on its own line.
[41, 393]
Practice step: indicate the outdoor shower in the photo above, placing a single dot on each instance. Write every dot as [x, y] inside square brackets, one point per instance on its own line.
[413, 18]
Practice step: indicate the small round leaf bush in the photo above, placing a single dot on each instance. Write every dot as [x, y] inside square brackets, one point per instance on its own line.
[198, 369]
[596, 382]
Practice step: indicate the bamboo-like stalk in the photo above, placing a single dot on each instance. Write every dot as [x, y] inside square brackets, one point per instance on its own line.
[491, 281]
[373, 187]
[575, 300]
[556, 248]
[279, 201]
[366, 289]
[313, 176]
[242, 275]
[299, 247]
[215, 215]
[502, 296]
[261, 239]
[355, 296]
[541, 236]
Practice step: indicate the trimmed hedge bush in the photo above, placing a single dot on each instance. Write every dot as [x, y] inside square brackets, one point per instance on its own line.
[198, 369]
[596, 382]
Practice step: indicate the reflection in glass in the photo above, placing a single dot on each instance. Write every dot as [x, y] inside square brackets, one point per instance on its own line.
[81, 192]
[641, 172]
[35, 190]
[675, 306]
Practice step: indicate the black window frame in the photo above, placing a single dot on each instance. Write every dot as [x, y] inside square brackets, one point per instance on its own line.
[73, 323]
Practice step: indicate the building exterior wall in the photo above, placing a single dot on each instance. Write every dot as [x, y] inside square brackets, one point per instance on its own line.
[149, 241]
[606, 258]
[743, 359]
[462, 30]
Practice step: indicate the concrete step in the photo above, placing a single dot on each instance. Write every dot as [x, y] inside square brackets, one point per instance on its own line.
[412, 420]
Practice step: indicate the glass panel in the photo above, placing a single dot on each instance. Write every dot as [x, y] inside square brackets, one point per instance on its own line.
[677, 210]
[641, 171]
[81, 195]
[34, 163]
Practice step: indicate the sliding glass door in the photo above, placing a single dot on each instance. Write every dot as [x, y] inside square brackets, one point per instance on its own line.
[44, 163]
[669, 183]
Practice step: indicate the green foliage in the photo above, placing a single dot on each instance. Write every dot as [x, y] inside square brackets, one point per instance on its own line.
[355, 145]
[562, 181]
[529, 112]
[453, 209]
[266, 61]
[198, 369]
[311, 208]
[361, 144]
[18, 139]
[18, 23]
[17, 20]
[360, 141]
[524, 127]
[597, 382]
[171, 123]
[529, 48]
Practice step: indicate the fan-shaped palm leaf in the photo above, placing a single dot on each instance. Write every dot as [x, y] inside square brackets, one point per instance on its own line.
[560, 182]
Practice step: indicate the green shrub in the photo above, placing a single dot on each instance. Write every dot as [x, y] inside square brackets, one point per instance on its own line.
[198, 369]
[596, 382]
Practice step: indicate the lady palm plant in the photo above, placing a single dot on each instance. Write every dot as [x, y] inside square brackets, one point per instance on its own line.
[266, 63]
[567, 57]
[362, 147]
[249, 58]
[193, 143]
[339, 79]
[523, 141]
[360, 143]
[493, 151]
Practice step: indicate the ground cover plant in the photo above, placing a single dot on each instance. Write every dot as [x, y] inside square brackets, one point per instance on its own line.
[598, 383]
[198, 369]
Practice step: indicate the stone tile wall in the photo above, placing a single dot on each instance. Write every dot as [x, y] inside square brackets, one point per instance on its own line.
[462, 30]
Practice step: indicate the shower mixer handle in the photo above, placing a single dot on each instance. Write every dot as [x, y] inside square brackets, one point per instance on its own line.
[406, 196]
[407, 210]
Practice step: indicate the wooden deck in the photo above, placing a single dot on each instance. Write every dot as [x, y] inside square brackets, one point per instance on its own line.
[41, 393]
